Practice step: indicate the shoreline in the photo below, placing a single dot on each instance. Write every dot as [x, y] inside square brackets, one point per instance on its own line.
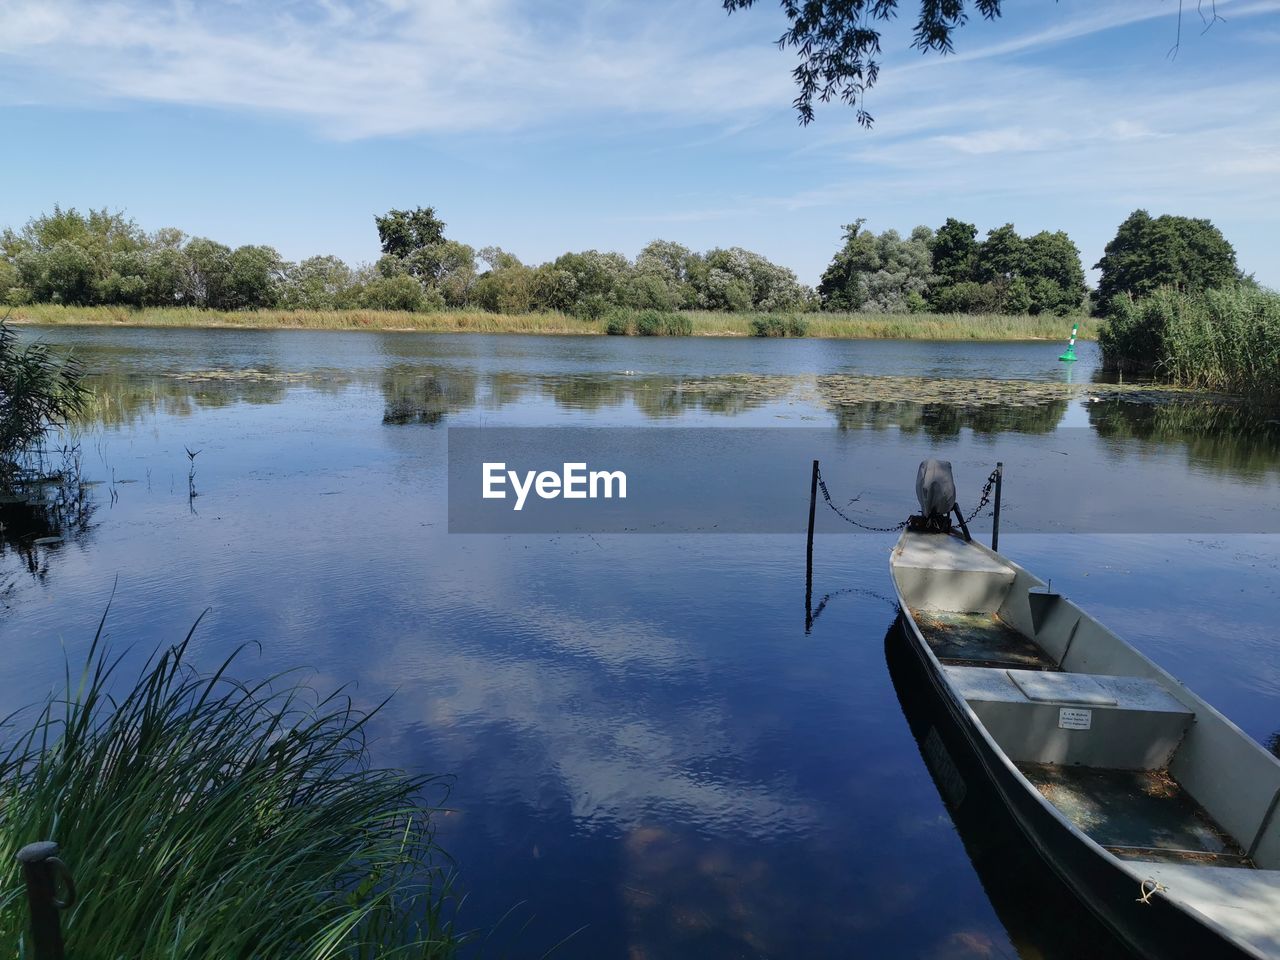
[993, 328]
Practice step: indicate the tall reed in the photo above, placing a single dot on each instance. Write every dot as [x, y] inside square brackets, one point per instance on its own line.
[203, 817]
[1226, 339]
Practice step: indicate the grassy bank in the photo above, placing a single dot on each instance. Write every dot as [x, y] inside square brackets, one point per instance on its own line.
[862, 326]
[202, 817]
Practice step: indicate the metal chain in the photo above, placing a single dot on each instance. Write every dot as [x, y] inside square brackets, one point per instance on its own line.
[985, 499]
[844, 516]
[826, 495]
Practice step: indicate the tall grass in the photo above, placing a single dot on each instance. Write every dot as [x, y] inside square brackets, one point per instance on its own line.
[1226, 339]
[860, 326]
[207, 818]
[39, 390]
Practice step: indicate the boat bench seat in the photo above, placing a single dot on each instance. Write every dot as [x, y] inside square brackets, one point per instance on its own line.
[1246, 902]
[954, 575]
[1122, 723]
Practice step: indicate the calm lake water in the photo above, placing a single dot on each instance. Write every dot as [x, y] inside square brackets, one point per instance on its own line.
[649, 754]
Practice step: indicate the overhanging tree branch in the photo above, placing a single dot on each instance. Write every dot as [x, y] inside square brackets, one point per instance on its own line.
[838, 42]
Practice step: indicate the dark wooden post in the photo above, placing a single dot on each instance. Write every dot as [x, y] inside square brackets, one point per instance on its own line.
[995, 522]
[41, 869]
[808, 559]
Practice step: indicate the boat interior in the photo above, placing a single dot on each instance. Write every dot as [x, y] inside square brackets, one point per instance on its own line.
[1131, 757]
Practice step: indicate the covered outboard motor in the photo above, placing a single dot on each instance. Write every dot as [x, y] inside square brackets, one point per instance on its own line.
[935, 488]
[936, 491]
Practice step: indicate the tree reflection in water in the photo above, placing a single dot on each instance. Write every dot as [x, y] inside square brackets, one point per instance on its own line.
[42, 510]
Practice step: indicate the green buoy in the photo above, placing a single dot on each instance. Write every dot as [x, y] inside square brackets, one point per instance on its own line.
[1070, 355]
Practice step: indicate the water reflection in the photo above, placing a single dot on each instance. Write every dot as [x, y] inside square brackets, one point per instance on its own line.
[1043, 918]
[121, 400]
[415, 395]
[1225, 437]
[1221, 436]
[939, 421]
[40, 514]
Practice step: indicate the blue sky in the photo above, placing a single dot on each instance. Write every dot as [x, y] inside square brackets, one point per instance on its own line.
[554, 125]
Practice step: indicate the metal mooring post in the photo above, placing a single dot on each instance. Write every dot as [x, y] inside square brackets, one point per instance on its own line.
[808, 560]
[995, 522]
[41, 869]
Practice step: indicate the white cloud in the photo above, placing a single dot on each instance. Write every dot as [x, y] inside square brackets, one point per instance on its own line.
[1006, 140]
[361, 69]
[1045, 138]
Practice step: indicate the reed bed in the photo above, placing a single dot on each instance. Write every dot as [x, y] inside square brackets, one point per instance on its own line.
[207, 818]
[860, 326]
[1224, 340]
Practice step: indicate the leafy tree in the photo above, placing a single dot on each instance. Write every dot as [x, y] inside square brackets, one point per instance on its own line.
[722, 290]
[447, 266]
[839, 287]
[390, 265]
[507, 288]
[98, 231]
[554, 288]
[672, 264]
[64, 273]
[1002, 256]
[1056, 277]
[671, 261]
[967, 296]
[401, 292]
[878, 273]
[1001, 263]
[10, 285]
[126, 281]
[597, 279]
[955, 251]
[1148, 253]
[209, 282]
[1015, 296]
[402, 232]
[317, 283]
[70, 257]
[166, 269]
[738, 279]
[497, 258]
[1005, 273]
[165, 272]
[649, 291]
[838, 42]
[253, 277]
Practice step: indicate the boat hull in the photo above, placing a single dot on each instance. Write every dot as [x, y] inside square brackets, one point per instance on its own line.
[1156, 929]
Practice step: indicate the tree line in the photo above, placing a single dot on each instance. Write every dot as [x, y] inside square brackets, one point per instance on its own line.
[105, 258]
[951, 271]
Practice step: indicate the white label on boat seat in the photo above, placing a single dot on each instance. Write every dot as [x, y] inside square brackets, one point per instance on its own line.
[1073, 718]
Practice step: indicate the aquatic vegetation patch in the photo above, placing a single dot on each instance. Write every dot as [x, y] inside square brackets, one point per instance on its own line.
[249, 374]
